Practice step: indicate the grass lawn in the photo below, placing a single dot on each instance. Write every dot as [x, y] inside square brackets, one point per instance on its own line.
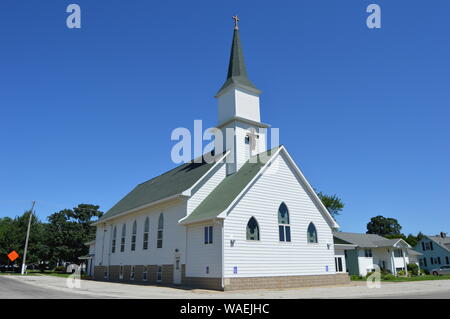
[35, 273]
[402, 279]
[16, 274]
[420, 278]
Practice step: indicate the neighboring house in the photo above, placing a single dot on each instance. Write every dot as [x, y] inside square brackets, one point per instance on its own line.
[369, 250]
[242, 221]
[414, 257]
[435, 251]
[89, 259]
[341, 247]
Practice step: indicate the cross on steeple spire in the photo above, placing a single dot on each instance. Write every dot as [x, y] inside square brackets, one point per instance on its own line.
[236, 20]
[237, 72]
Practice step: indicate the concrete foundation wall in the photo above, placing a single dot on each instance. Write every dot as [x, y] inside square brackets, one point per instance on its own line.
[239, 283]
[203, 283]
[277, 282]
[114, 271]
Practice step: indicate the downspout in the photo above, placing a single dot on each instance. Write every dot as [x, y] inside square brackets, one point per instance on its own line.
[185, 255]
[186, 229]
[110, 247]
[223, 253]
[103, 242]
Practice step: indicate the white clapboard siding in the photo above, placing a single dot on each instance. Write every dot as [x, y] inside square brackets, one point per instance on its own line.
[174, 237]
[241, 152]
[243, 149]
[201, 255]
[206, 186]
[269, 256]
[365, 264]
[101, 245]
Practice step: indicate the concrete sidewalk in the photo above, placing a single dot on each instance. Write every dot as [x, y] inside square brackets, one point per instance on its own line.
[97, 289]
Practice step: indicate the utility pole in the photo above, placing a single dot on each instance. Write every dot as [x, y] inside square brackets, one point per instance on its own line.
[26, 240]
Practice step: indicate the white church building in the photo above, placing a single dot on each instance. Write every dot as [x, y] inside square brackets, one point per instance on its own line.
[238, 222]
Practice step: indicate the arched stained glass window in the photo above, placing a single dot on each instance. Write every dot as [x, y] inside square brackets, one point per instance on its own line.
[113, 244]
[252, 229]
[159, 241]
[133, 236]
[146, 231]
[283, 214]
[284, 228]
[122, 240]
[312, 233]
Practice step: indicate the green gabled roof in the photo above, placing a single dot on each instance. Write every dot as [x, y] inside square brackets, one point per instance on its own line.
[166, 185]
[225, 193]
[237, 72]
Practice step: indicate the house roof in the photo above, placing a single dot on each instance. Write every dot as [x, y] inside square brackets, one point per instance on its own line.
[225, 193]
[413, 252]
[365, 240]
[163, 186]
[443, 241]
[339, 241]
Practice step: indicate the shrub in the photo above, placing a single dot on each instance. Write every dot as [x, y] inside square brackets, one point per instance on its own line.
[355, 277]
[60, 269]
[42, 267]
[369, 274]
[413, 269]
[401, 273]
[388, 277]
[385, 271]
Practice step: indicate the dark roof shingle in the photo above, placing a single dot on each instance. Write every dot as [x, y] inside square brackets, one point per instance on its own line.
[365, 240]
[163, 186]
[443, 241]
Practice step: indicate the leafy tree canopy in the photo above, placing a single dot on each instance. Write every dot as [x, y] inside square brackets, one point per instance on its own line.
[69, 230]
[63, 238]
[333, 204]
[383, 226]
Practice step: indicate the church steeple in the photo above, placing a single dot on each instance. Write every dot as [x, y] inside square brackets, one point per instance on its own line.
[239, 112]
[237, 72]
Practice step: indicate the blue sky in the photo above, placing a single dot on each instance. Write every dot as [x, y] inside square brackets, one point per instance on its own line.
[87, 114]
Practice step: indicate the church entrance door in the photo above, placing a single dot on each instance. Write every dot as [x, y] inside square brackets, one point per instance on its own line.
[177, 270]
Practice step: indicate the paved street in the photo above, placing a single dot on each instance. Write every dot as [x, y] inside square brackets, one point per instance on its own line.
[15, 289]
[56, 287]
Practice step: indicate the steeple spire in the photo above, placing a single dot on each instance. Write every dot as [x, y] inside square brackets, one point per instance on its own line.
[237, 73]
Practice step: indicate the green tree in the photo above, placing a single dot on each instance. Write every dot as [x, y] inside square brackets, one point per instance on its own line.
[410, 239]
[7, 243]
[333, 204]
[69, 230]
[13, 235]
[413, 240]
[384, 226]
